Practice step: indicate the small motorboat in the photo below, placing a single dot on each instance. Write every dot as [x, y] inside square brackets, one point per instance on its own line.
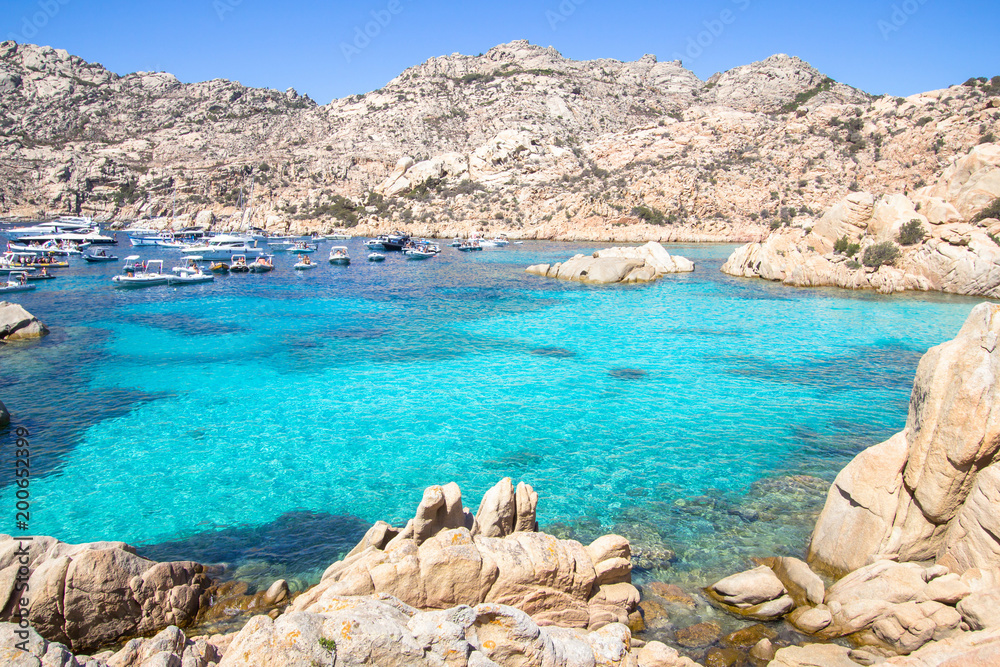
[339, 255]
[16, 282]
[190, 267]
[472, 245]
[218, 267]
[304, 263]
[191, 278]
[239, 264]
[139, 274]
[99, 255]
[262, 264]
[376, 257]
[374, 244]
[44, 275]
[418, 252]
[457, 243]
[338, 236]
[300, 247]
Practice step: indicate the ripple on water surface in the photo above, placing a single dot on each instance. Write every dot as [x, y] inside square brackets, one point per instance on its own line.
[233, 421]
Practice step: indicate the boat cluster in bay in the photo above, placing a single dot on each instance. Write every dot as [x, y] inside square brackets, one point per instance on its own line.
[33, 252]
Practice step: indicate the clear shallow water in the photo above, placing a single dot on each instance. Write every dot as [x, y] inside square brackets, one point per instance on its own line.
[265, 421]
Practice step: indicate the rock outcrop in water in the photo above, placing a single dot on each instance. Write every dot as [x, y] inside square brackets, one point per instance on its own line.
[928, 494]
[446, 557]
[958, 253]
[18, 324]
[97, 593]
[617, 265]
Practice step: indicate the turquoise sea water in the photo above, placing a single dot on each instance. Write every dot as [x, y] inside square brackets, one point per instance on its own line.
[266, 421]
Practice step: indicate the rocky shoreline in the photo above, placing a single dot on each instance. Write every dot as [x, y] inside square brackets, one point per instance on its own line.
[905, 543]
[944, 237]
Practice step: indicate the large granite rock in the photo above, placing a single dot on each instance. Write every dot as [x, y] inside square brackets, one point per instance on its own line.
[95, 594]
[382, 630]
[617, 265]
[446, 557]
[757, 594]
[18, 324]
[930, 491]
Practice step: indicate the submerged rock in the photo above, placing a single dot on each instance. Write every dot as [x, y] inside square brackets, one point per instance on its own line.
[18, 324]
[617, 265]
[4, 416]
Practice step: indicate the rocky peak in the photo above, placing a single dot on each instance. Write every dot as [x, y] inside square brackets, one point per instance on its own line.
[776, 81]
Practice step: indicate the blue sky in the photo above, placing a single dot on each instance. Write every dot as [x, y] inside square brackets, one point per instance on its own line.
[898, 47]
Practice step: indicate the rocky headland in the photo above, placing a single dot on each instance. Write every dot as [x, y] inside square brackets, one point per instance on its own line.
[644, 264]
[518, 140]
[942, 237]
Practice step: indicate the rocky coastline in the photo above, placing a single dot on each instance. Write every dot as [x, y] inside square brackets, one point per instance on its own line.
[943, 237]
[902, 569]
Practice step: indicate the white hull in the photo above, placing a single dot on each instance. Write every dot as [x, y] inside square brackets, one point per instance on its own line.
[223, 254]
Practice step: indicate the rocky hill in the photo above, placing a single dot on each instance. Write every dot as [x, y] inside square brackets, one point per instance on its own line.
[518, 140]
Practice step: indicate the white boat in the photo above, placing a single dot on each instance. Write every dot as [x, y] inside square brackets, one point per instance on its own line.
[16, 282]
[500, 241]
[339, 255]
[262, 264]
[53, 248]
[191, 279]
[60, 226]
[238, 264]
[456, 243]
[338, 236]
[374, 244]
[376, 257]
[93, 236]
[418, 252]
[472, 245]
[151, 237]
[224, 246]
[192, 274]
[138, 274]
[191, 266]
[304, 263]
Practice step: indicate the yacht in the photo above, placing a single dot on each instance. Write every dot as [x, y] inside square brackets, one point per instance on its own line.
[224, 246]
[74, 224]
[152, 237]
[394, 240]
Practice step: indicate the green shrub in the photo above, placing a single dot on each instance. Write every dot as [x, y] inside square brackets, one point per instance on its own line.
[647, 214]
[881, 254]
[991, 211]
[853, 265]
[843, 246]
[911, 233]
[775, 224]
